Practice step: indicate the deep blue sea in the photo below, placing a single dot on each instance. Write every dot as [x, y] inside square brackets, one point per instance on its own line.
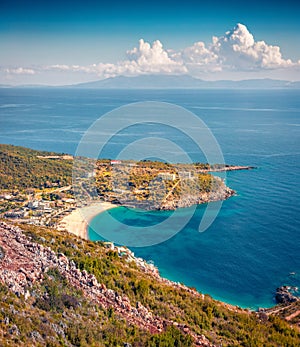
[254, 244]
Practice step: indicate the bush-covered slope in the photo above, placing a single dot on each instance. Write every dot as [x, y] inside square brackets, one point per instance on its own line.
[59, 314]
[22, 168]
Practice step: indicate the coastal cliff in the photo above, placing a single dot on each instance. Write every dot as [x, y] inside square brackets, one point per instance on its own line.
[222, 193]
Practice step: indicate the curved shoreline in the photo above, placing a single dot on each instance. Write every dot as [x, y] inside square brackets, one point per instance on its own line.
[78, 220]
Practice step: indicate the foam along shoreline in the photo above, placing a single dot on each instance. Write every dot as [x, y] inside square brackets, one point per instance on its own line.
[77, 221]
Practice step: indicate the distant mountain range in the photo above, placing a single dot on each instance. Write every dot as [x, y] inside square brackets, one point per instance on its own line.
[183, 82]
[176, 82]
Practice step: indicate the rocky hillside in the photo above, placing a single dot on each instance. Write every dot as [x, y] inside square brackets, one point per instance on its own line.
[58, 290]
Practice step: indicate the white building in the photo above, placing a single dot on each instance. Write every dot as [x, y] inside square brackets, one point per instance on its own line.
[167, 176]
[185, 175]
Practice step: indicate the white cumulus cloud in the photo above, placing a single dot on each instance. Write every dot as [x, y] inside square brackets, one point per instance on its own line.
[238, 50]
[153, 59]
[144, 59]
[197, 58]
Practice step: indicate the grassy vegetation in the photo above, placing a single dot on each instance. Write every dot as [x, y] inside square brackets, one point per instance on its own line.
[21, 168]
[70, 320]
[144, 180]
[220, 323]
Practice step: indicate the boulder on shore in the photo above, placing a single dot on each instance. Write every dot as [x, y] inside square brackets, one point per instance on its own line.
[284, 295]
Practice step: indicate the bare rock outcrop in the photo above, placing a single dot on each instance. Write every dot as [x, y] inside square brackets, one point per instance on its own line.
[284, 295]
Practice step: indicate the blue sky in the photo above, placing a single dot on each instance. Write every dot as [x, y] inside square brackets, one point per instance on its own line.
[59, 42]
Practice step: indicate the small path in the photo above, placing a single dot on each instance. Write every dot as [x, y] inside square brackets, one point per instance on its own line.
[171, 191]
[293, 315]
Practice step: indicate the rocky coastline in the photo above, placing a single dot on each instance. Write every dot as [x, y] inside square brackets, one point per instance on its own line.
[230, 168]
[182, 202]
[190, 200]
[284, 295]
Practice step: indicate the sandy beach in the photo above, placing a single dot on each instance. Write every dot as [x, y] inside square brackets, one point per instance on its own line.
[77, 221]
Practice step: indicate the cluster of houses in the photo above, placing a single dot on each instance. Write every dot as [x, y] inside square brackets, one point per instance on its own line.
[32, 210]
[41, 212]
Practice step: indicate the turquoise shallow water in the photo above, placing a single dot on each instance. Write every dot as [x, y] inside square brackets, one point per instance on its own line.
[254, 244]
